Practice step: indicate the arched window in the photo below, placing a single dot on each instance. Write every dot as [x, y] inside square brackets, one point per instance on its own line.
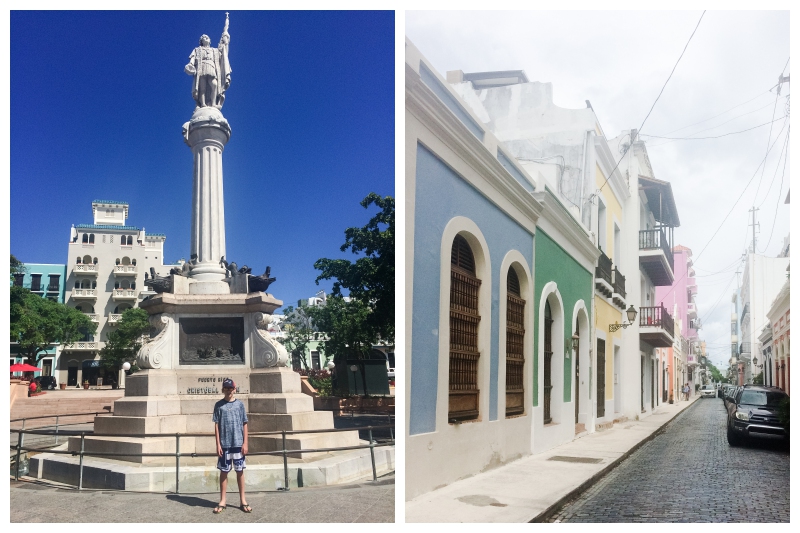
[117, 261]
[77, 284]
[85, 238]
[94, 261]
[133, 262]
[116, 284]
[91, 238]
[87, 259]
[464, 320]
[515, 342]
[94, 284]
[78, 261]
[548, 361]
[126, 260]
[133, 284]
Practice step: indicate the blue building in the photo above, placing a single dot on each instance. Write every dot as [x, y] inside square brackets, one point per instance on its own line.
[49, 282]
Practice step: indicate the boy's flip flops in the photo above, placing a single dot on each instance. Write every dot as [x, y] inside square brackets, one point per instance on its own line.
[246, 508]
[218, 509]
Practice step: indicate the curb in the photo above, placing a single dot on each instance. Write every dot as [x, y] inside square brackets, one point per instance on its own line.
[583, 487]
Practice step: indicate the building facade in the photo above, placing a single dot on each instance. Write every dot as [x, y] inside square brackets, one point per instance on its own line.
[107, 264]
[470, 301]
[48, 281]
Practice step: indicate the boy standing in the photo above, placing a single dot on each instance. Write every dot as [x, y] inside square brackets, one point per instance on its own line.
[230, 429]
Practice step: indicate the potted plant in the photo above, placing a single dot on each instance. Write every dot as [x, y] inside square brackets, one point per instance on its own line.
[86, 384]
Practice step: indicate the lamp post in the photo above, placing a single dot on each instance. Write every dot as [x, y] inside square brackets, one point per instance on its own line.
[631, 312]
[354, 369]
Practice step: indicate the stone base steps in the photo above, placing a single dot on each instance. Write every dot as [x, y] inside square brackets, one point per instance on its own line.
[201, 475]
[602, 426]
[43, 406]
[621, 419]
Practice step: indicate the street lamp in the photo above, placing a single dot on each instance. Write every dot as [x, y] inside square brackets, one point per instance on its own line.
[575, 341]
[126, 366]
[354, 369]
[631, 312]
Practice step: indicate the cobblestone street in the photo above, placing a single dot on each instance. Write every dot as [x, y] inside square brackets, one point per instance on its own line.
[689, 473]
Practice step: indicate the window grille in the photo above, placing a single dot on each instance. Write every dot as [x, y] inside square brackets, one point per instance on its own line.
[548, 358]
[464, 321]
[515, 339]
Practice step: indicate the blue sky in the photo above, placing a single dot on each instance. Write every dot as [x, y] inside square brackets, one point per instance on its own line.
[97, 104]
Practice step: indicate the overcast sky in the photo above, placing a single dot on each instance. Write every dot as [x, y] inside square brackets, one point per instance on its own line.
[619, 60]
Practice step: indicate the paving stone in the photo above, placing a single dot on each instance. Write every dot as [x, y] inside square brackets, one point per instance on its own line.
[689, 473]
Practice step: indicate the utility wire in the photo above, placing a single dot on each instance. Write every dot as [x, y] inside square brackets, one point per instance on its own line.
[701, 131]
[720, 114]
[779, 194]
[729, 212]
[771, 183]
[716, 136]
[769, 138]
[656, 101]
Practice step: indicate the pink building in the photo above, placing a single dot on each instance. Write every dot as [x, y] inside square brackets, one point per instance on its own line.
[679, 300]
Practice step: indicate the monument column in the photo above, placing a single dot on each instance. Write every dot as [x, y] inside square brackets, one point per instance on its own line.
[207, 133]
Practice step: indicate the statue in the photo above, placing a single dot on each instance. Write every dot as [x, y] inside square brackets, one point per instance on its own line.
[260, 283]
[211, 70]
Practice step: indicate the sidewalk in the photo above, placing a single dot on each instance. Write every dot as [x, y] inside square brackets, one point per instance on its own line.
[34, 501]
[530, 488]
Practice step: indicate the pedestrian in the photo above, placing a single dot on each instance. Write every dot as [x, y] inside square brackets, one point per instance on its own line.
[686, 391]
[230, 430]
[32, 387]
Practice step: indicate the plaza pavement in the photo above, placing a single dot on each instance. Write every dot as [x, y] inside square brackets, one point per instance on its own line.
[36, 501]
[534, 487]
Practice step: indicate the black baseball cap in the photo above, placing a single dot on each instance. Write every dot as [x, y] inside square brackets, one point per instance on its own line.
[228, 383]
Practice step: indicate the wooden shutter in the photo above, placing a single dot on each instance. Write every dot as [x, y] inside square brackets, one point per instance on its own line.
[464, 321]
[515, 339]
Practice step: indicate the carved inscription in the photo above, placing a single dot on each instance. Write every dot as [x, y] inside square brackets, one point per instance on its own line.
[212, 341]
[210, 385]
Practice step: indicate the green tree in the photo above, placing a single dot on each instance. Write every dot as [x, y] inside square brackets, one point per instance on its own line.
[716, 375]
[124, 342]
[299, 331]
[17, 267]
[348, 332]
[758, 379]
[370, 279]
[37, 323]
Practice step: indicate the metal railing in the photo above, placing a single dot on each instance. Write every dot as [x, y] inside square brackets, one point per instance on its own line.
[284, 452]
[619, 283]
[656, 239]
[603, 269]
[658, 317]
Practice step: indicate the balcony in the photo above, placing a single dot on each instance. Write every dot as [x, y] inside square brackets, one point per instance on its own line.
[83, 346]
[619, 289]
[745, 311]
[744, 349]
[53, 288]
[655, 256]
[93, 317]
[691, 310]
[602, 275]
[123, 295]
[114, 318]
[656, 327]
[86, 270]
[84, 294]
[125, 270]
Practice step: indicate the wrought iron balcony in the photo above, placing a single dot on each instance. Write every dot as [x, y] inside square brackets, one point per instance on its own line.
[602, 275]
[655, 256]
[619, 289]
[656, 326]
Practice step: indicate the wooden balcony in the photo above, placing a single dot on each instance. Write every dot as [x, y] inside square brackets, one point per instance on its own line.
[618, 297]
[655, 256]
[656, 327]
[602, 275]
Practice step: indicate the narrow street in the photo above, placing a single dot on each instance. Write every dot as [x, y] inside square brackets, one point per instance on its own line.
[689, 473]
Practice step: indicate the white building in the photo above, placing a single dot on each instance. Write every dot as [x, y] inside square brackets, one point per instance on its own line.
[106, 266]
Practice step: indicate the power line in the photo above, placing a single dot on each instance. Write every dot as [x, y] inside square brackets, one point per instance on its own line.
[673, 71]
[779, 194]
[720, 114]
[714, 137]
[769, 138]
[771, 183]
[656, 101]
[711, 128]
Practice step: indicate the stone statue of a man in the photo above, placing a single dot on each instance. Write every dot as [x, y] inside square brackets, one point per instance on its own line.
[211, 70]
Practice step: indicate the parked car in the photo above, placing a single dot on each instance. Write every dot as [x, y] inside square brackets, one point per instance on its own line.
[708, 391]
[753, 412]
[47, 382]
